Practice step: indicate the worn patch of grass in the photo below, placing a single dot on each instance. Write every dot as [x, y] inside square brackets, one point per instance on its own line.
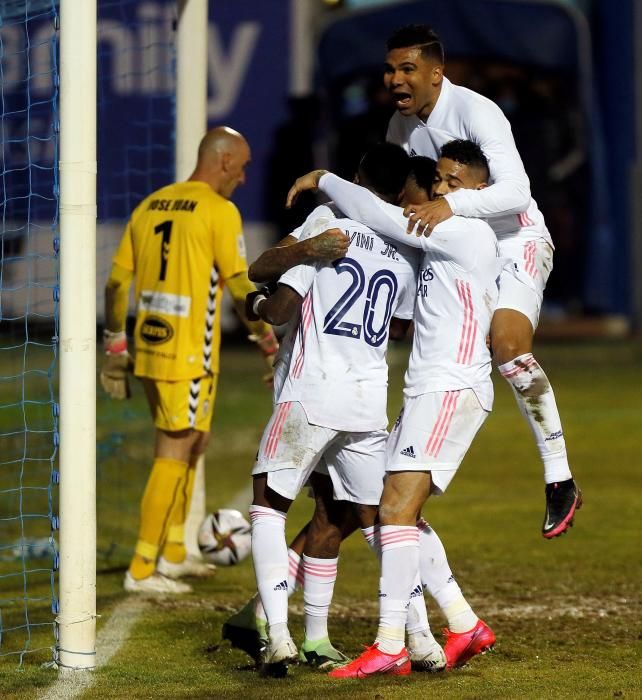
[567, 613]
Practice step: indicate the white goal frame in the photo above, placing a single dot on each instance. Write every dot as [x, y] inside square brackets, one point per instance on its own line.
[76, 620]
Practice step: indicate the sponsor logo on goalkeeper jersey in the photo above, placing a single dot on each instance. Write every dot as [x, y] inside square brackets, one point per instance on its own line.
[162, 303]
[156, 330]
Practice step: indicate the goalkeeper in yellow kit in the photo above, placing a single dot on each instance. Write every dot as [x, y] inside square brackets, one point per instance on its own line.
[182, 244]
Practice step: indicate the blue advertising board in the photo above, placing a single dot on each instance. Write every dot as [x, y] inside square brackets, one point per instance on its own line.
[248, 75]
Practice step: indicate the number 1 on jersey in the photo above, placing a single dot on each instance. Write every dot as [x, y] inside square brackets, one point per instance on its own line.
[166, 229]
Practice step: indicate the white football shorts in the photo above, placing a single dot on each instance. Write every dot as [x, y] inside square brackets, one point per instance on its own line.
[433, 433]
[280, 369]
[523, 289]
[291, 449]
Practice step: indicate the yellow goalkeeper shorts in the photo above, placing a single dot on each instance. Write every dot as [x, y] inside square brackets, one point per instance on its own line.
[181, 405]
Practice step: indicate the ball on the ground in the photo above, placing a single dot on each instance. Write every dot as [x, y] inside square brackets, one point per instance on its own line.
[224, 537]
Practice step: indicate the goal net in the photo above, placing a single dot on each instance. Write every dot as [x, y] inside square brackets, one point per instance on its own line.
[29, 321]
[136, 145]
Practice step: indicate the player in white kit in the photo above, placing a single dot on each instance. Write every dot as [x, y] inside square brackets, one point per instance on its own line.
[448, 391]
[333, 522]
[332, 404]
[430, 112]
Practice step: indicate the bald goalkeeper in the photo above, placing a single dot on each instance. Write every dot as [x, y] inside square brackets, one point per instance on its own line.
[183, 244]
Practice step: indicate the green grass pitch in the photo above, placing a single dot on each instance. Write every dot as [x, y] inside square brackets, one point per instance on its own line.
[567, 613]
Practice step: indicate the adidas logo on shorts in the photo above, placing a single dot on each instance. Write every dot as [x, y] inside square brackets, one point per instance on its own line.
[409, 452]
[416, 591]
[283, 586]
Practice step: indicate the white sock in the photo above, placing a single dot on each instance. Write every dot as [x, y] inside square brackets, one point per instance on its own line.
[318, 586]
[295, 581]
[270, 555]
[439, 581]
[417, 620]
[399, 567]
[373, 538]
[295, 572]
[536, 402]
[420, 641]
[417, 625]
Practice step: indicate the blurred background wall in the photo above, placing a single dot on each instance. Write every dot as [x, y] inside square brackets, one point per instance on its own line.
[302, 80]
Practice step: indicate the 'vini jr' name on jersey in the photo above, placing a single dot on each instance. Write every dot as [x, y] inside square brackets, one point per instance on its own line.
[172, 205]
[367, 242]
[360, 240]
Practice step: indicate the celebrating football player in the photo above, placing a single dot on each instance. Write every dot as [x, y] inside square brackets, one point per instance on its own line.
[430, 112]
[448, 391]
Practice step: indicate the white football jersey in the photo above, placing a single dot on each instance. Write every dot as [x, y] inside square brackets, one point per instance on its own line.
[456, 292]
[461, 113]
[338, 369]
[318, 220]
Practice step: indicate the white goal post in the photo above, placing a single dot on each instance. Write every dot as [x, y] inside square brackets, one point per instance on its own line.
[76, 619]
[191, 124]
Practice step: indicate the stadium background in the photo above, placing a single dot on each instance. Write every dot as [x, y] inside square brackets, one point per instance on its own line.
[299, 79]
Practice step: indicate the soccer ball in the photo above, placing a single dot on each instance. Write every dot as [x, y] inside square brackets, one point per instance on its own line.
[224, 537]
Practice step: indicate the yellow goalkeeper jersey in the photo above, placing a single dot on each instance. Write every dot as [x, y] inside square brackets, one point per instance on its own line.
[182, 243]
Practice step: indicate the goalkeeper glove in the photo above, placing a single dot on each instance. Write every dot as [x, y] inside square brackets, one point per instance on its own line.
[118, 363]
[269, 346]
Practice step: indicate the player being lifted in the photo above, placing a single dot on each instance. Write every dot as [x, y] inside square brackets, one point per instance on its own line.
[430, 112]
[448, 392]
[183, 243]
[333, 521]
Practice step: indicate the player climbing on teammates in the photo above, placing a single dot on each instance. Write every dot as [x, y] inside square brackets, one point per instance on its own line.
[184, 244]
[430, 112]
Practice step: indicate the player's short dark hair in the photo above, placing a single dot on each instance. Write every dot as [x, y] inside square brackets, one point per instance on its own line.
[420, 35]
[384, 169]
[467, 153]
[422, 170]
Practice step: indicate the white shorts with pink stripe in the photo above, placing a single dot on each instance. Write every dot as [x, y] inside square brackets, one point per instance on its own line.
[291, 449]
[522, 289]
[433, 433]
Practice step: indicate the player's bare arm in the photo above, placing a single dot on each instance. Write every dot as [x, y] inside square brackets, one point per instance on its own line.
[276, 309]
[272, 263]
[305, 183]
